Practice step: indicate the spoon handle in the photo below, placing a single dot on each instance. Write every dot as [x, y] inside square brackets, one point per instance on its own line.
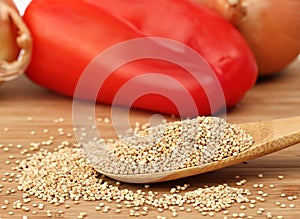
[273, 135]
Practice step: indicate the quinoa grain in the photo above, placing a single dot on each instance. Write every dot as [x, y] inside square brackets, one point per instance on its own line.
[280, 177]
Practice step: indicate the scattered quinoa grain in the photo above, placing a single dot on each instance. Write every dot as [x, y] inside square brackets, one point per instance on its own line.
[260, 192]
[291, 205]
[25, 208]
[235, 215]
[174, 214]
[242, 207]
[269, 216]
[259, 212]
[225, 212]
[251, 205]
[40, 206]
[265, 194]
[242, 215]
[283, 205]
[260, 175]
[211, 214]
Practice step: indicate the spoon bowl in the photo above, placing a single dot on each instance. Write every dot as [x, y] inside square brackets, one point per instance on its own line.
[269, 136]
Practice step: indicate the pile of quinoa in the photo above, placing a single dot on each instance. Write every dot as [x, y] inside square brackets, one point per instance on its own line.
[170, 146]
[67, 174]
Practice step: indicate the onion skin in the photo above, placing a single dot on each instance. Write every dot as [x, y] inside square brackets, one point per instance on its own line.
[15, 42]
[9, 49]
[271, 28]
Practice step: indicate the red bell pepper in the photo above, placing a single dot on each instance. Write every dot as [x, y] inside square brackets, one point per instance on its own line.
[69, 34]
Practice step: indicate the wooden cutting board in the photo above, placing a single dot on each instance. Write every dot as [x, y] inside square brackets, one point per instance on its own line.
[26, 110]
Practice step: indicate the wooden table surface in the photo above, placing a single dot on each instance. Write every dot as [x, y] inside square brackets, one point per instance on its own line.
[271, 98]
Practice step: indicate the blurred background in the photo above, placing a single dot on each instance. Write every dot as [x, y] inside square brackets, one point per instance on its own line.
[22, 4]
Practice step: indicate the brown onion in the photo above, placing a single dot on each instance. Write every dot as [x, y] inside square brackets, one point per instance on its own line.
[15, 42]
[271, 28]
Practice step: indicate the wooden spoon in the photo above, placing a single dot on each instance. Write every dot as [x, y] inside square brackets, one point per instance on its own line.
[269, 136]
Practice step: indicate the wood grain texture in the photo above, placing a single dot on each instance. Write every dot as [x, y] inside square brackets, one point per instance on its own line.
[272, 98]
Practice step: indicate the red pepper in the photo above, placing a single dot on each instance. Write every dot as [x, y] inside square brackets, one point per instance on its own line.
[69, 34]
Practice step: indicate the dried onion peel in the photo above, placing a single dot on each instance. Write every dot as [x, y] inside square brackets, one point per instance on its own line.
[271, 28]
[15, 42]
